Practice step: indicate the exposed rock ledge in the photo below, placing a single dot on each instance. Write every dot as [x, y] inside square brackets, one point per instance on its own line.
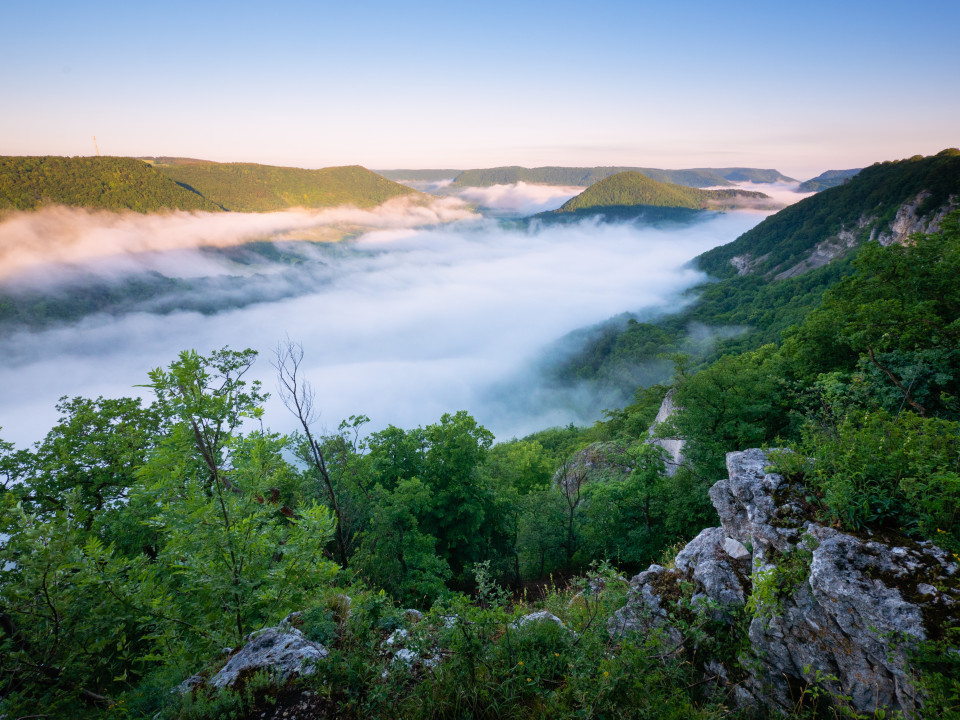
[856, 608]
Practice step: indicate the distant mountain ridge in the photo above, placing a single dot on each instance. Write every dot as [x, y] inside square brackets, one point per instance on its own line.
[427, 175]
[168, 183]
[586, 176]
[631, 189]
[828, 179]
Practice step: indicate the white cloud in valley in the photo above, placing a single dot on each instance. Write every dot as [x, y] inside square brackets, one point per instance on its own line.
[401, 324]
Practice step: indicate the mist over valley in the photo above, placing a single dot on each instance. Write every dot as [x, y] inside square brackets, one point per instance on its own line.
[426, 308]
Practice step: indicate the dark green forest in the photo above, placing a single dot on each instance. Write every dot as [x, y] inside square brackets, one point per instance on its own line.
[144, 537]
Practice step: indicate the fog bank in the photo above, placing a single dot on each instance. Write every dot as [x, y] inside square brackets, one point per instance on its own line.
[401, 324]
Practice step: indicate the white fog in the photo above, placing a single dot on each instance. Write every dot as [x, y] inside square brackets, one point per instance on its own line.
[402, 323]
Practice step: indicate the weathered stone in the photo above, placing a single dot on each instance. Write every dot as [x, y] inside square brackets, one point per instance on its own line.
[673, 446]
[714, 572]
[735, 549]
[845, 607]
[538, 617]
[283, 652]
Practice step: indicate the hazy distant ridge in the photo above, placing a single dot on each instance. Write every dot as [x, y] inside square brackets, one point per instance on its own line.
[434, 175]
[585, 176]
[828, 179]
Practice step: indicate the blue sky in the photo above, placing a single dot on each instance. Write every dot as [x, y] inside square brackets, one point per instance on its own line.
[802, 87]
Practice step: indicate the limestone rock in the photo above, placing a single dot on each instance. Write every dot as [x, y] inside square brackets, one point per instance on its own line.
[538, 617]
[842, 607]
[672, 446]
[280, 650]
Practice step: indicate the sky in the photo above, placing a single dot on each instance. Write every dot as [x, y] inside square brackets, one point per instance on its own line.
[802, 87]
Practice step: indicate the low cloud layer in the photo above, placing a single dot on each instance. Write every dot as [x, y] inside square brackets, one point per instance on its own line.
[401, 324]
[520, 198]
[73, 236]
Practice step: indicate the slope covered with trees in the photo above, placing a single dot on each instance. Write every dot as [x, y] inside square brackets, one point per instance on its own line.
[105, 183]
[865, 205]
[744, 310]
[247, 187]
[694, 177]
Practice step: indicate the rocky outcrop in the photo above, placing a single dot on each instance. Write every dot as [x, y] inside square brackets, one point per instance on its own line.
[823, 606]
[907, 221]
[282, 651]
[673, 446]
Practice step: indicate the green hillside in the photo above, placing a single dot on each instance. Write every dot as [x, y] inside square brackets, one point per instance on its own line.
[755, 308]
[247, 187]
[631, 189]
[828, 179]
[585, 176]
[867, 204]
[107, 183]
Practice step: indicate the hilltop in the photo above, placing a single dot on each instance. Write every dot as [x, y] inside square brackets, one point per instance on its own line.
[103, 183]
[248, 187]
[630, 191]
[585, 176]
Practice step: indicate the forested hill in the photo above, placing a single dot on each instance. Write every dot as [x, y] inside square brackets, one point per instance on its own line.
[828, 179]
[880, 202]
[584, 176]
[247, 187]
[107, 183]
[772, 276]
[152, 184]
[631, 189]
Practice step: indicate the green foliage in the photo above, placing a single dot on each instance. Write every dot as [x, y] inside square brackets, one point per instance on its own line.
[108, 183]
[775, 582]
[394, 553]
[898, 471]
[245, 187]
[735, 403]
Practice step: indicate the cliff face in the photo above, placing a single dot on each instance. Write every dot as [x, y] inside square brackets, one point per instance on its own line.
[824, 606]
